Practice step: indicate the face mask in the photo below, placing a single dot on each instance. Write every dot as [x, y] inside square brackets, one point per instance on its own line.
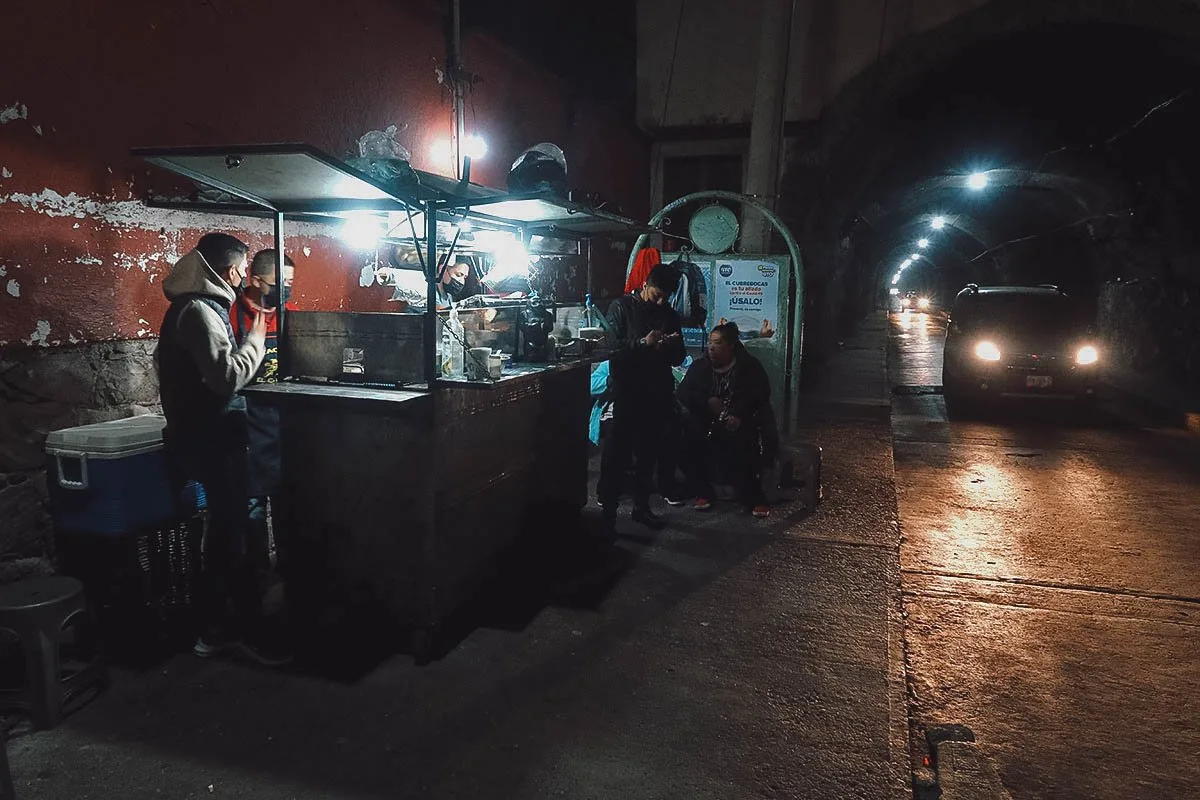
[455, 287]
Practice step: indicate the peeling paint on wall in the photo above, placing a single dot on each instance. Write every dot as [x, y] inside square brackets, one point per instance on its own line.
[41, 335]
[13, 288]
[136, 214]
[6, 172]
[89, 260]
[14, 112]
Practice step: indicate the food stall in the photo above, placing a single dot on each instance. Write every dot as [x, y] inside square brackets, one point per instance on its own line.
[401, 481]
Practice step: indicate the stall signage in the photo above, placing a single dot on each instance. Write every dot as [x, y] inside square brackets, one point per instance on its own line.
[747, 293]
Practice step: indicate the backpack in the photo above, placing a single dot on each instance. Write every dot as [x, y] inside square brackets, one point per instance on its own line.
[690, 299]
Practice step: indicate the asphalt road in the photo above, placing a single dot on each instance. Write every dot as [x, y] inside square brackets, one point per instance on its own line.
[1051, 583]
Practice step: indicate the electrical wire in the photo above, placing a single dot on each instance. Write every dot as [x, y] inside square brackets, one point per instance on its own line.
[671, 69]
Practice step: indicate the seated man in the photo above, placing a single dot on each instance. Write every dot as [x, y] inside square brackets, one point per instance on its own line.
[726, 398]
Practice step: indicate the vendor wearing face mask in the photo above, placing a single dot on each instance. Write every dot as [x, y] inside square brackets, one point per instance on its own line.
[453, 285]
[261, 295]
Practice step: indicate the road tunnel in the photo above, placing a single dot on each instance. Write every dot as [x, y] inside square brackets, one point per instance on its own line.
[1056, 152]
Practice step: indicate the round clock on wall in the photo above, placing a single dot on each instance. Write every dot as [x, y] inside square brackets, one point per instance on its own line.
[713, 229]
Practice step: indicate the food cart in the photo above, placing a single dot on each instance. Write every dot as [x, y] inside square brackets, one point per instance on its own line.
[400, 483]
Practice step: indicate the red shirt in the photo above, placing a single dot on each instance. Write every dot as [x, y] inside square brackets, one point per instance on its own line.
[241, 316]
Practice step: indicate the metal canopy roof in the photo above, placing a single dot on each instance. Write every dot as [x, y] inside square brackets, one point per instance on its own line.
[288, 178]
[298, 179]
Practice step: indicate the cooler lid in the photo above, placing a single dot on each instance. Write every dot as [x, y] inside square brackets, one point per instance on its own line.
[109, 438]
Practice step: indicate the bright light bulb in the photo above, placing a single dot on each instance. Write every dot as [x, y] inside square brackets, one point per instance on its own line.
[474, 147]
[896, 278]
[922, 243]
[905, 263]
[914, 257]
[938, 223]
[977, 181]
[893, 291]
[362, 233]
[1087, 355]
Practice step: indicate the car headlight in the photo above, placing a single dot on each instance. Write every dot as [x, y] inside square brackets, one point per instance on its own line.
[1087, 355]
[987, 351]
[923, 302]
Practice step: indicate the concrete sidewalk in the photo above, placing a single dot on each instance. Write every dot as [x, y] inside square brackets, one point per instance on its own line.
[723, 658]
[1152, 402]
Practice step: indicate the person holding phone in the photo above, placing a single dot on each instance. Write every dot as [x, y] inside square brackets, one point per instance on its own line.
[646, 341]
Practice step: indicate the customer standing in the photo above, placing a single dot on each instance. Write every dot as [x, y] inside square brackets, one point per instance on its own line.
[262, 296]
[646, 342]
[201, 372]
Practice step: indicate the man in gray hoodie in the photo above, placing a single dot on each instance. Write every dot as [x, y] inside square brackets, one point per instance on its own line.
[202, 371]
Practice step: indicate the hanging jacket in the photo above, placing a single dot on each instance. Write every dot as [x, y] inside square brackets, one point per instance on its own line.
[200, 368]
[646, 260]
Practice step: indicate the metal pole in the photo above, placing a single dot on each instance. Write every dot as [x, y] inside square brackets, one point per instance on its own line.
[766, 122]
[455, 72]
[280, 312]
[431, 315]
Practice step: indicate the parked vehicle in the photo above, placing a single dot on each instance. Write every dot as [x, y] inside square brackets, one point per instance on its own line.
[1027, 341]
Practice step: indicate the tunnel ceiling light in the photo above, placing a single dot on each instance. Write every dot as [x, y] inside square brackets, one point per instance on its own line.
[905, 263]
[914, 257]
[922, 243]
[938, 223]
[977, 181]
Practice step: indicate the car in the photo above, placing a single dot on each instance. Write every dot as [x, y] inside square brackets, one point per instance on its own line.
[1025, 341]
[914, 301]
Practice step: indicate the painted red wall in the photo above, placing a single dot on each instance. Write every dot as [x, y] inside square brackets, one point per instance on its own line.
[81, 259]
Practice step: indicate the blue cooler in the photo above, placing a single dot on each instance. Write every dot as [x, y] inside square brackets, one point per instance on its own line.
[110, 478]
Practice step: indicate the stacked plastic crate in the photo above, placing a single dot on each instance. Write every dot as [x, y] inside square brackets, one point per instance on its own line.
[122, 527]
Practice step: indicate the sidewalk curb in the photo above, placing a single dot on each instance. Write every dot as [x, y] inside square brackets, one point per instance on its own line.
[1143, 409]
[961, 770]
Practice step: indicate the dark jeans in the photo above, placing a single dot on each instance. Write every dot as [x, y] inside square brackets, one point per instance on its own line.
[736, 454]
[229, 601]
[634, 437]
[669, 451]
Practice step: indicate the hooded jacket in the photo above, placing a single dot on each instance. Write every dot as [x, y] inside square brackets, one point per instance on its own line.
[201, 368]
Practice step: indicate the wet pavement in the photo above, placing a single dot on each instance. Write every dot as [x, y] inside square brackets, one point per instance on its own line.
[725, 657]
[1051, 585]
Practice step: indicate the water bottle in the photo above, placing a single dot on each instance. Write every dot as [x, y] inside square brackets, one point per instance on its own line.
[453, 336]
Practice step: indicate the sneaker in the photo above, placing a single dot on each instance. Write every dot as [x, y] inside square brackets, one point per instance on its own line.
[645, 516]
[702, 504]
[761, 511]
[268, 654]
[673, 501]
[212, 646]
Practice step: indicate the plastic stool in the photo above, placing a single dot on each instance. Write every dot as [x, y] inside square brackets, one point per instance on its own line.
[37, 610]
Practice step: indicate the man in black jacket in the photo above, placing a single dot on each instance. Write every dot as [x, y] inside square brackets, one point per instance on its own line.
[646, 342]
[726, 397]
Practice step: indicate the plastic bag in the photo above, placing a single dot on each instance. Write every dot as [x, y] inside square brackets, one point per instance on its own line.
[382, 144]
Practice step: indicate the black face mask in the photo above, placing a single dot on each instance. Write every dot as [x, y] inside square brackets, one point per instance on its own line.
[455, 287]
[273, 297]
